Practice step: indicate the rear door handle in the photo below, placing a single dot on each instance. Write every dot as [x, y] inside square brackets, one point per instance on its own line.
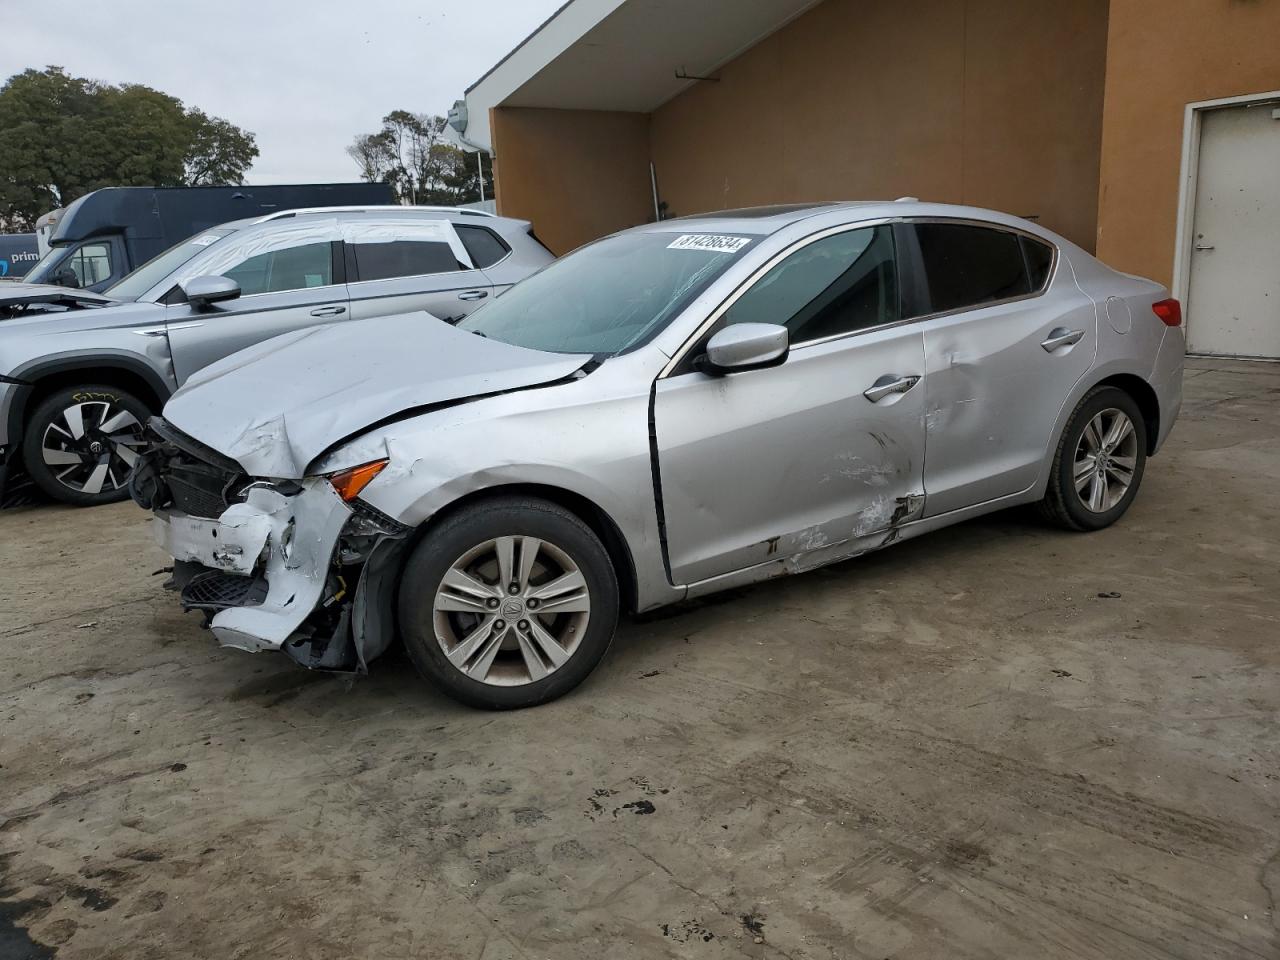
[473, 295]
[328, 311]
[888, 385]
[1061, 337]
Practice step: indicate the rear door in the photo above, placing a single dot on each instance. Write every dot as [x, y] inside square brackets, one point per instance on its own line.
[1010, 334]
[411, 265]
[288, 279]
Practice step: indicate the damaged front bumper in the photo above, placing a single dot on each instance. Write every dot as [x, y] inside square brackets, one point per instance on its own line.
[286, 566]
[273, 542]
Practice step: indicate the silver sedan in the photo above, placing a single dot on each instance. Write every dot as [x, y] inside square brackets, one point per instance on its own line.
[677, 409]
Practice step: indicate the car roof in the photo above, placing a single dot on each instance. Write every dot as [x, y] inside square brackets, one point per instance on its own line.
[766, 220]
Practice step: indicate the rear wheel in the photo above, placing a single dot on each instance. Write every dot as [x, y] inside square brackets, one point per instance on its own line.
[508, 603]
[81, 443]
[1099, 463]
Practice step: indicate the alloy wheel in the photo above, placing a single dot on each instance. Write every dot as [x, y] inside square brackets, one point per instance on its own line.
[91, 447]
[1105, 460]
[511, 611]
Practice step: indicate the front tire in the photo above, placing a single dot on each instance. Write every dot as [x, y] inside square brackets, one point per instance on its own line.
[81, 443]
[1099, 463]
[508, 603]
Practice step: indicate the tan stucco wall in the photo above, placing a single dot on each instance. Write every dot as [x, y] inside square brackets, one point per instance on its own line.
[1162, 55]
[991, 102]
[577, 174]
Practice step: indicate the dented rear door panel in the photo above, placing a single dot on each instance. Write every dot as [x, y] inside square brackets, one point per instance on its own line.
[791, 462]
[994, 392]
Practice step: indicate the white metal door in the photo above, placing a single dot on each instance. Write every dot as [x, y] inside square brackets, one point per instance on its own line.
[1234, 298]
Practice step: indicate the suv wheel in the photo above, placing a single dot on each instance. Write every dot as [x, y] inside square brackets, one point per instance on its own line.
[508, 603]
[81, 443]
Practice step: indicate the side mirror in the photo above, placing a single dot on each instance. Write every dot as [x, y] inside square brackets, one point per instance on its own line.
[203, 292]
[745, 346]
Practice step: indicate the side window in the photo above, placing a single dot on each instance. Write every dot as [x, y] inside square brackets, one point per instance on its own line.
[485, 246]
[293, 268]
[969, 265]
[91, 263]
[1039, 261]
[842, 283]
[404, 258]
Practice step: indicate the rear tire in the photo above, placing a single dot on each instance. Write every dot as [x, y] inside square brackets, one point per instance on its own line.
[1099, 463]
[508, 603]
[81, 443]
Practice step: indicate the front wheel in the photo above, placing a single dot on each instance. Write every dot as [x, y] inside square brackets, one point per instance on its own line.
[81, 443]
[1099, 463]
[508, 603]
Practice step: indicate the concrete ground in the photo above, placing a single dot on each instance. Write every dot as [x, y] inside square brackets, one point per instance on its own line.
[996, 741]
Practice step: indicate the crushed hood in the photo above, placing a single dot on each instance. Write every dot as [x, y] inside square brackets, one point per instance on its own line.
[277, 406]
[14, 295]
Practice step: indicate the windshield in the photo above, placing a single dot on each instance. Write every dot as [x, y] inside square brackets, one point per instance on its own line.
[610, 297]
[135, 284]
[41, 272]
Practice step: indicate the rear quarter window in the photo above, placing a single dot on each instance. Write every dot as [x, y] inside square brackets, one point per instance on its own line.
[968, 265]
[485, 246]
[1039, 261]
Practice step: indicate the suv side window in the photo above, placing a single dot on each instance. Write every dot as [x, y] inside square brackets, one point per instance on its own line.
[485, 246]
[91, 263]
[968, 265]
[403, 258]
[841, 283]
[293, 268]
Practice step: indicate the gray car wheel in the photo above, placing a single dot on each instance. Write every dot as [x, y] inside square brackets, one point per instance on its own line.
[510, 602]
[81, 443]
[1099, 463]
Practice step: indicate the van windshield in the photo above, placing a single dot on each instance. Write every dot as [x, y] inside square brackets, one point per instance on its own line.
[134, 285]
[609, 297]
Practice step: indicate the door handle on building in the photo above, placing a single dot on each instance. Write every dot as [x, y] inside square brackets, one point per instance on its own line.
[1061, 337]
[888, 385]
[473, 295]
[328, 311]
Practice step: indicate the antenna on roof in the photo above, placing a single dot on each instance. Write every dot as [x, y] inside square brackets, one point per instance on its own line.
[907, 200]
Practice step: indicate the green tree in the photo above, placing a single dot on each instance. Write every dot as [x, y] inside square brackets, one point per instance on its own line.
[412, 154]
[63, 136]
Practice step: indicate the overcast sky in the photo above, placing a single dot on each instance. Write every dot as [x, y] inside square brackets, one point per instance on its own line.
[305, 76]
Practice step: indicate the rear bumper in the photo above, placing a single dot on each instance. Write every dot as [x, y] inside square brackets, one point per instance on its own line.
[288, 541]
[1166, 380]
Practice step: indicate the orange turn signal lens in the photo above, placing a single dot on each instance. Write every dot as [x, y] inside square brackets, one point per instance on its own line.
[349, 483]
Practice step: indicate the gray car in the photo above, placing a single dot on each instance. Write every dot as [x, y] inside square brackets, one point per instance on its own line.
[684, 407]
[80, 374]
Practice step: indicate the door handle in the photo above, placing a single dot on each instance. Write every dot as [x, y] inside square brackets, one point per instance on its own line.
[888, 385]
[473, 295]
[1204, 246]
[328, 311]
[1061, 337]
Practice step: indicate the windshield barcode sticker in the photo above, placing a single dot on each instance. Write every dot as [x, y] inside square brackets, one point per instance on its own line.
[206, 240]
[708, 242]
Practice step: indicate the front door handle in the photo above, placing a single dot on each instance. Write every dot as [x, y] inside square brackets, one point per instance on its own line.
[328, 311]
[1204, 246]
[473, 295]
[888, 385]
[1061, 337]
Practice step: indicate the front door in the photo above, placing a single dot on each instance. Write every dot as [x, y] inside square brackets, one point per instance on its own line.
[1233, 306]
[283, 288]
[820, 455]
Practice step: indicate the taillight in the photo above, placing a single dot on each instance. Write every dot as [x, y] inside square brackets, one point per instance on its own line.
[1170, 311]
